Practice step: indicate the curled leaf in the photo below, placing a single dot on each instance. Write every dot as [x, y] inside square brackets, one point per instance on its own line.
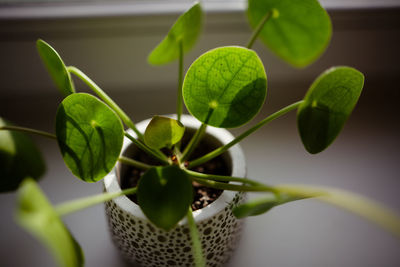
[184, 32]
[37, 216]
[262, 205]
[56, 68]
[163, 132]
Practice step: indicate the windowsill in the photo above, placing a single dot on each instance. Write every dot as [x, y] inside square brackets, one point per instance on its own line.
[93, 8]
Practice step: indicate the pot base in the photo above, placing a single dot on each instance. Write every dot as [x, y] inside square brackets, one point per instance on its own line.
[142, 243]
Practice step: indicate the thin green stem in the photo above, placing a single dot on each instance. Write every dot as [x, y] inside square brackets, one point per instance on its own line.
[199, 260]
[86, 202]
[177, 154]
[179, 105]
[234, 187]
[258, 29]
[366, 208]
[28, 130]
[128, 122]
[134, 163]
[221, 178]
[193, 142]
[224, 148]
[157, 154]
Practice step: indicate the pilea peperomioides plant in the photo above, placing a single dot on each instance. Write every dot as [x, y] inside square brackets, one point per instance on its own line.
[225, 87]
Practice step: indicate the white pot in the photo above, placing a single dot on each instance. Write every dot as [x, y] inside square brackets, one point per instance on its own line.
[141, 242]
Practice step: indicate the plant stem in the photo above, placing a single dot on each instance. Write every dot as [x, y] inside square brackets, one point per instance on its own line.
[234, 187]
[193, 142]
[134, 163]
[179, 100]
[28, 130]
[352, 202]
[156, 154]
[221, 178]
[258, 29]
[177, 154]
[224, 148]
[128, 122]
[179, 105]
[83, 203]
[199, 260]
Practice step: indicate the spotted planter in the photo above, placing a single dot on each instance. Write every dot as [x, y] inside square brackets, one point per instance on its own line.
[142, 243]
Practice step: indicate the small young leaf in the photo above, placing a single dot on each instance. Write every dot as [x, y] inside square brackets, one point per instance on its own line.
[298, 31]
[225, 87]
[163, 132]
[90, 136]
[56, 68]
[327, 105]
[261, 205]
[164, 195]
[37, 216]
[186, 30]
[19, 158]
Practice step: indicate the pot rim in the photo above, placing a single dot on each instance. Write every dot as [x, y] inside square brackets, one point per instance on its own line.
[238, 164]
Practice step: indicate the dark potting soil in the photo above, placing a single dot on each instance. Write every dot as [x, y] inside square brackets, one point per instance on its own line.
[203, 195]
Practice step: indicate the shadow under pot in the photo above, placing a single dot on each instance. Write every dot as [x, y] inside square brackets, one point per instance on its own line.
[140, 242]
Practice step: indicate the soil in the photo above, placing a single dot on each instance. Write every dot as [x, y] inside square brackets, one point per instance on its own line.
[203, 195]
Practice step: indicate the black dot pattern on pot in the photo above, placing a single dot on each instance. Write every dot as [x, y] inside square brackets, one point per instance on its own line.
[142, 243]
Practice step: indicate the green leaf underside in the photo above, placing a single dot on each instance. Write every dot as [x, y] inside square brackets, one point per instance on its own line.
[37, 216]
[225, 87]
[164, 195]
[262, 205]
[90, 136]
[298, 32]
[56, 68]
[186, 29]
[19, 158]
[328, 103]
[163, 132]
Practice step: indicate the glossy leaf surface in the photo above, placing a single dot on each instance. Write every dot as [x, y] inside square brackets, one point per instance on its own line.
[19, 158]
[37, 216]
[327, 105]
[298, 31]
[261, 205]
[89, 135]
[56, 67]
[163, 132]
[225, 87]
[186, 29]
[164, 195]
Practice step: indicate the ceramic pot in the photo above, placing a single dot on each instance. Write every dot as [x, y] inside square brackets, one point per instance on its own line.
[142, 243]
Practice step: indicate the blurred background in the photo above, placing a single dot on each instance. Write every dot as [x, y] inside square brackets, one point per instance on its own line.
[110, 41]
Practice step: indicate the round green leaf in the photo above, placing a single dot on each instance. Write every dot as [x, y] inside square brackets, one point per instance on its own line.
[327, 105]
[163, 132]
[186, 29]
[19, 158]
[37, 216]
[298, 31]
[90, 136]
[225, 87]
[56, 67]
[165, 195]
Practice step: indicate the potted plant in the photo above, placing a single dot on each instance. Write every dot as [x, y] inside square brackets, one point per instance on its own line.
[224, 88]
